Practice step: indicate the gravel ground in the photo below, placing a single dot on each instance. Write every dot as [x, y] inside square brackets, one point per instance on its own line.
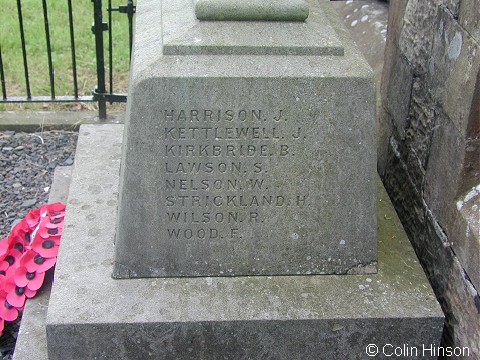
[27, 164]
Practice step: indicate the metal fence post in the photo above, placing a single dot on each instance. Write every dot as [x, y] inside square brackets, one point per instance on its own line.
[98, 28]
[2, 76]
[130, 12]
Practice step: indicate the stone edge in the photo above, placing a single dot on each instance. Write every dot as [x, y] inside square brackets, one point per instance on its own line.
[38, 121]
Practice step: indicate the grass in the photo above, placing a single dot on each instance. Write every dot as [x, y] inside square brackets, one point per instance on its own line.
[34, 28]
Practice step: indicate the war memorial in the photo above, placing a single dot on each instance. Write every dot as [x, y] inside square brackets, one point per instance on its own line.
[237, 214]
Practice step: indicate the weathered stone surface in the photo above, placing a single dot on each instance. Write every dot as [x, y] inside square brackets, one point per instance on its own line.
[438, 159]
[456, 294]
[385, 119]
[413, 151]
[416, 39]
[404, 194]
[246, 165]
[469, 18]
[471, 166]
[452, 6]
[443, 169]
[453, 68]
[473, 130]
[280, 317]
[416, 169]
[252, 10]
[396, 13]
[395, 24]
[384, 131]
[464, 233]
[421, 120]
[397, 101]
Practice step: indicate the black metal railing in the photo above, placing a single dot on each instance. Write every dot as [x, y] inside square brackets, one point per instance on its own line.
[2, 77]
[99, 94]
[72, 46]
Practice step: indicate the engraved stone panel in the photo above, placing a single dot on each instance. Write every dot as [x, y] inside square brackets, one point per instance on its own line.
[247, 165]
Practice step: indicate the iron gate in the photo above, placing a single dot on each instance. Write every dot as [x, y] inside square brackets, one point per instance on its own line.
[99, 28]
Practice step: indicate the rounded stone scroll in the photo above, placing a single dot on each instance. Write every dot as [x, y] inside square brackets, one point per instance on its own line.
[251, 10]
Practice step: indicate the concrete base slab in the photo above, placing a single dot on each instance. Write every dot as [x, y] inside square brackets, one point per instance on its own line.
[92, 315]
[32, 121]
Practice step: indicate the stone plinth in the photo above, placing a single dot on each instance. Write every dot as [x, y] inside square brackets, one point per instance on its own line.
[92, 315]
[249, 148]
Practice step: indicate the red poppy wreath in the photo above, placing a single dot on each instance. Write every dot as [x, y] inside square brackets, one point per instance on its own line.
[25, 255]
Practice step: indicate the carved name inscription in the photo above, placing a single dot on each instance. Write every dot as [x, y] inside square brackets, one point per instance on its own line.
[218, 166]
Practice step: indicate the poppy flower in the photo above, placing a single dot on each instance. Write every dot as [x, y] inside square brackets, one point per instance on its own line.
[4, 274]
[7, 311]
[46, 247]
[4, 247]
[34, 262]
[53, 223]
[56, 209]
[19, 238]
[12, 259]
[21, 232]
[31, 280]
[16, 295]
[46, 232]
[3, 268]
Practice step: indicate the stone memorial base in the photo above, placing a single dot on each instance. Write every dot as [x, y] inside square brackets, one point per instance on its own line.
[93, 316]
[250, 147]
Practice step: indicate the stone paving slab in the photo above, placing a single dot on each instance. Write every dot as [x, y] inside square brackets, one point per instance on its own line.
[32, 121]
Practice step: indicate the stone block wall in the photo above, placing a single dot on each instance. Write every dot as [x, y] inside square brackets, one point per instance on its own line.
[429, 149]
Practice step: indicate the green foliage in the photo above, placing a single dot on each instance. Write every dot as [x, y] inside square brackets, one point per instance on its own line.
[34, 27]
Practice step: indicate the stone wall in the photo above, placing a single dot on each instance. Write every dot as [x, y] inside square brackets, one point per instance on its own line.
[429, 148]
